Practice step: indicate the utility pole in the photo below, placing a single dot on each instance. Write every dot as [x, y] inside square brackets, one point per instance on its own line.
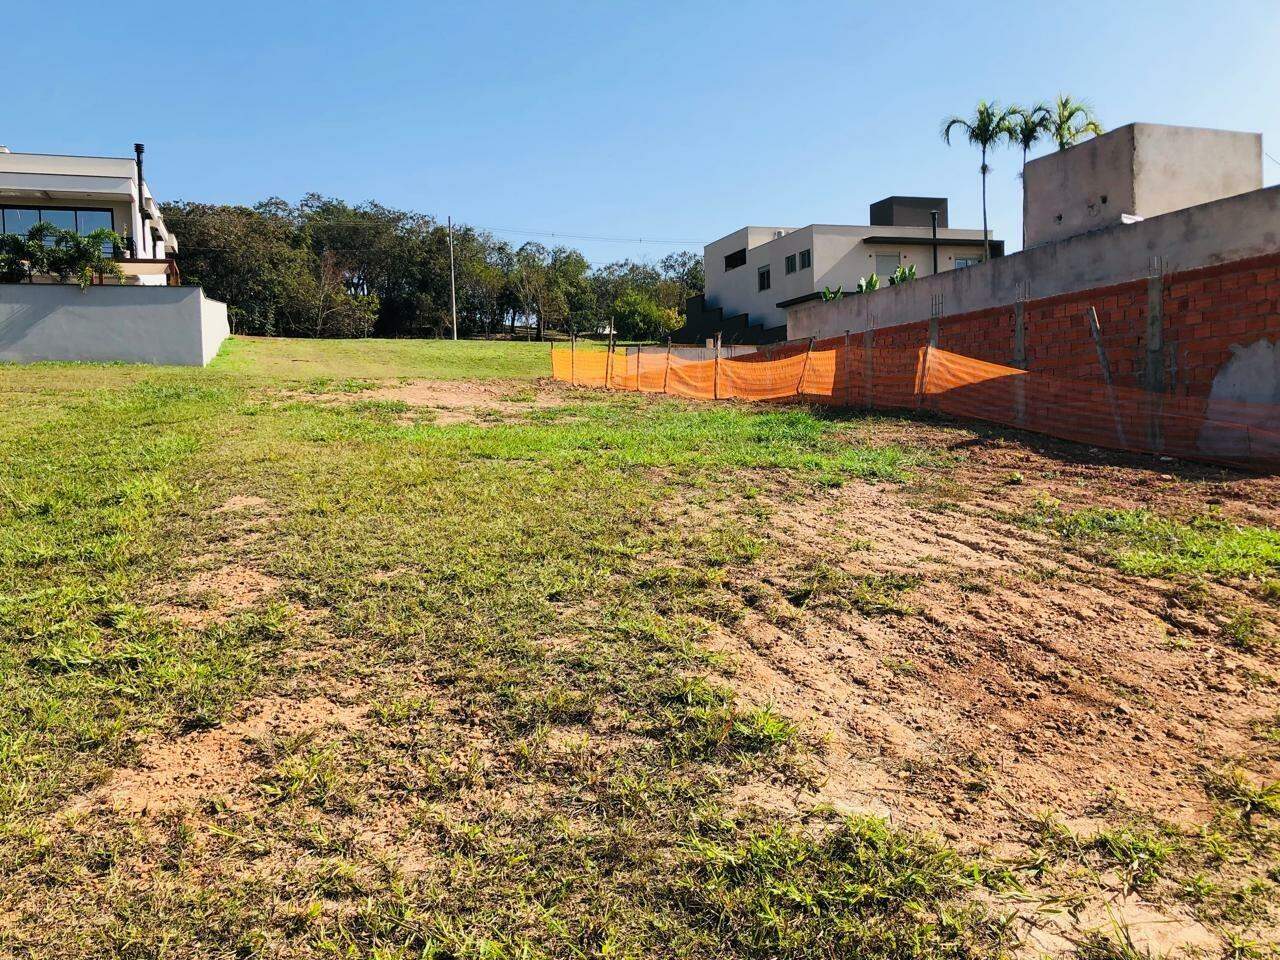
[453, 283]
[933, 216]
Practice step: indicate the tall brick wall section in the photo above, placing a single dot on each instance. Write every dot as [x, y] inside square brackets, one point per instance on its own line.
[1204, 312]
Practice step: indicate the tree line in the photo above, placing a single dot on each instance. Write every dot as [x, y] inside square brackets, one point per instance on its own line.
[326, 268]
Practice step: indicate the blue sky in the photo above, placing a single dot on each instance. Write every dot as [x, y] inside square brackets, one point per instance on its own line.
[672, 121]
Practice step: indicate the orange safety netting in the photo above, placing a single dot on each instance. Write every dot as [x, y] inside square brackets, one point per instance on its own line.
[843, 372]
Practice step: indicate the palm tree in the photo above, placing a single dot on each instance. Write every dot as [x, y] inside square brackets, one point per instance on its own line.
[1028, 126]
[1072, 121]
[989, 125]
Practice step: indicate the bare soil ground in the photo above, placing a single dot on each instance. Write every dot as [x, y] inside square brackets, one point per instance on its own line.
[445, 402]
[1024, 679]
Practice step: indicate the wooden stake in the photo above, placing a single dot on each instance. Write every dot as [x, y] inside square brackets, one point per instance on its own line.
[666, 374]
[848, 371]
[573, 353]
[715, 380]
[1096, 330]
[804, 371]
[608, 362]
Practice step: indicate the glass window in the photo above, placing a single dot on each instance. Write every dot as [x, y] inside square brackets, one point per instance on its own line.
[791, 264]
[19, 220]
[62, 219]
[736, 259]
[886, 264]
[763, 281]
[967, 262]
[806, 259]
[88, 221]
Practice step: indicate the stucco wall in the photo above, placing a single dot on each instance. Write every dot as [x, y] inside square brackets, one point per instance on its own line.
[160, 325]
[1232, 229]
[1142, 170]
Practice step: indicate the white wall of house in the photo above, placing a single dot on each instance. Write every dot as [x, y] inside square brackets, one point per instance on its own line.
[839, 255]
[131, 324]
[52, 181]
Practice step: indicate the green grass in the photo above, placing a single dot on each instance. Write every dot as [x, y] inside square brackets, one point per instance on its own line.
[285, 360]
[860, 890]
[1145, 543]
[541, 742]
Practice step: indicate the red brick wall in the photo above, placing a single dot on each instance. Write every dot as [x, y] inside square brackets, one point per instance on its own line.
[1208, 310]
[1205, 312]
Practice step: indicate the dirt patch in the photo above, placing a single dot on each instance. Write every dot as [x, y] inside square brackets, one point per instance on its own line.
[1154, 931]
[447, 402]
[1022, 678]
[219, 763]
[239, 503]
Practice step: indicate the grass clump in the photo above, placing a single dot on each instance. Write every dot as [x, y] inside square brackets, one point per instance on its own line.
[862, 889]
[1145, 543]
[1244, 794]
[872, 595]
[1139, 854]
[701, 721]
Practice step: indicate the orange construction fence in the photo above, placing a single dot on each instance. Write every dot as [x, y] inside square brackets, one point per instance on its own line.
[841, 371]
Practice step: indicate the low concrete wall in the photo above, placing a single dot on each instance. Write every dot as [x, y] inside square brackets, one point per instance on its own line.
[160, 325]
[1236, 228]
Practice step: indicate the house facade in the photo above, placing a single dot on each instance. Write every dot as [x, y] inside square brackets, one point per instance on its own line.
[86, 194]
[755, 274]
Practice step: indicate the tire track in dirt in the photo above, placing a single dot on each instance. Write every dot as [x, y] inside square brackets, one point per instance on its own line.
[1028, 679]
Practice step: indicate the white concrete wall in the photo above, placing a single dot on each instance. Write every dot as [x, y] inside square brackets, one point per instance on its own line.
[1243, 226]
[160, 325]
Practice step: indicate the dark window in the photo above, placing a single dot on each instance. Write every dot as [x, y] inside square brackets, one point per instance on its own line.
[806, 259]
[20, 219]
[762, 279]
[736, 259]
[62, 219]
[790, 264]
[88, 221]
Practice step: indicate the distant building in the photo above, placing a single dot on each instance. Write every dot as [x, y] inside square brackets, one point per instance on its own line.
[149, 318]
[86, 194]
[754, 274]
[1135, 172]
[1133, 205]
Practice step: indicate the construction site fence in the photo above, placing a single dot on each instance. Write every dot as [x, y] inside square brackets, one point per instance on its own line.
[842, 371]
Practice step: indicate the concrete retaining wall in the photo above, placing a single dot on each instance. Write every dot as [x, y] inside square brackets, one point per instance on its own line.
[160, 325]
[1226, 230]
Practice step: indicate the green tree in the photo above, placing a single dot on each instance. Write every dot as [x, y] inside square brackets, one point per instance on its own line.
[637, 317]
[989, 124]
[1029, 126]
[1072, 121]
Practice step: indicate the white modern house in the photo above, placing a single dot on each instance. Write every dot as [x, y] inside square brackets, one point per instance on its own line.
[149, 318]
[86, 194]
[755, 274]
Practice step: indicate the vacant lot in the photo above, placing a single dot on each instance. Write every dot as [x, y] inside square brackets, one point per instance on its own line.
[393, 649]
